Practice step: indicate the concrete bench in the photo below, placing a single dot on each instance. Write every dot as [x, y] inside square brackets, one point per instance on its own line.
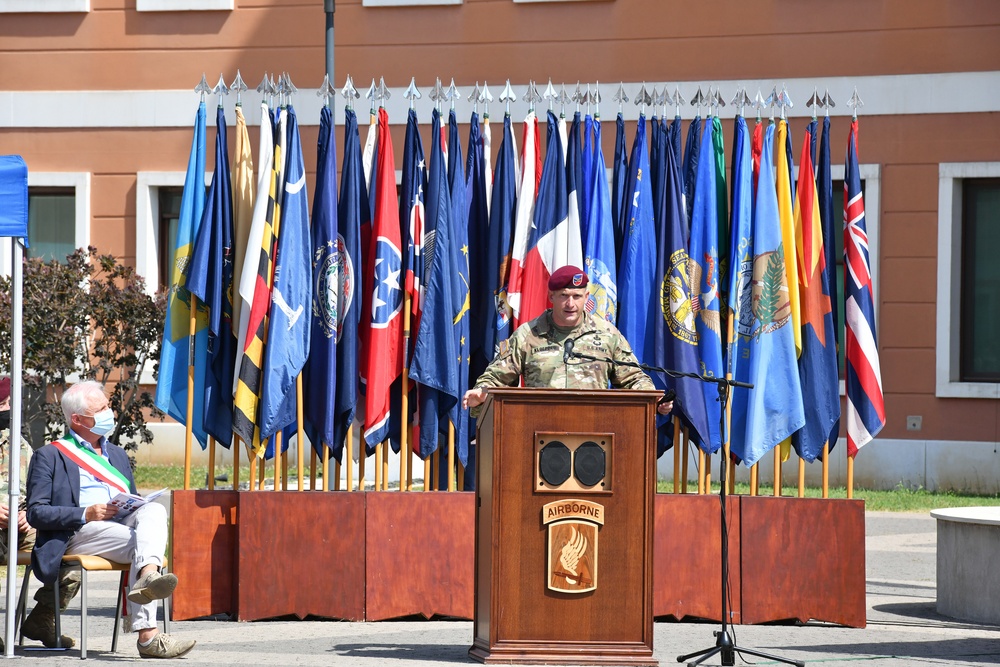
[968, 546]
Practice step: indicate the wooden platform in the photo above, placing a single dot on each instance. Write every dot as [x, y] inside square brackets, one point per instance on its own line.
[376, 556]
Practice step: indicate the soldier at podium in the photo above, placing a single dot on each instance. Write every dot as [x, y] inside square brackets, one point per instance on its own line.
[544, 351]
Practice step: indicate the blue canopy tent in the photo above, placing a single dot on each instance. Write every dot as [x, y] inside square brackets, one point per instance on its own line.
[14, 223]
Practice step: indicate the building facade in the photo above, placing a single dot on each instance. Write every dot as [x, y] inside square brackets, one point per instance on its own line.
[97, 95]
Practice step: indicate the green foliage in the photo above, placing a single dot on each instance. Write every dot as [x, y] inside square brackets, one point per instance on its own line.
[770, 294]
[90, 317]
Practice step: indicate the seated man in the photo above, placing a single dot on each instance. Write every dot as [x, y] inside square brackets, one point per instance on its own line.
[69, 581]
[70, 485]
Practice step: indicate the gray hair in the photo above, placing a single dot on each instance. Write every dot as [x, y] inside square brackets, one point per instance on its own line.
[77, 398]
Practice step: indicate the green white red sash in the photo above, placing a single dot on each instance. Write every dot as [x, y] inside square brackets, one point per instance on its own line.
[94, 463]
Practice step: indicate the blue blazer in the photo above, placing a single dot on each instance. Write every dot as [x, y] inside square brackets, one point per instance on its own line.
[54, 504]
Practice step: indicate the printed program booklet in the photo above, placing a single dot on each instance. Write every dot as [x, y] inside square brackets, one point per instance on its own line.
[129, 504]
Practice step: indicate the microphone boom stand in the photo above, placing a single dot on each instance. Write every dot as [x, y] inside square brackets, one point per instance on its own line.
[724, 642]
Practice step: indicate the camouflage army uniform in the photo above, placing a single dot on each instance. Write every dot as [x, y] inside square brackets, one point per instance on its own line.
[536, 350]
[25, 540]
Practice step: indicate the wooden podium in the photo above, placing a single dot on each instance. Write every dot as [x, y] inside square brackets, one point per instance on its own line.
[564, 527]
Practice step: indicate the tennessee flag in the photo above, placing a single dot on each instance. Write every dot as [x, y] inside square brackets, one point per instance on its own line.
[384, 340]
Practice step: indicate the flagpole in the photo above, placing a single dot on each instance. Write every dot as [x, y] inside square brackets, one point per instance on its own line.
[677, 454]
[850, 476]
[349, 459]
[754, 479]
[451, 456]
[301, 437]
[312, 468]
[378, 467]
[326, 468]
[277, 460]
[362, 455]
[826, 469]
[802, 478]
[777, 472]
[684, 463]
[237, 443]
[701, 471]
[428, 471]
[190, 392]
[211, 463]
[385, 465]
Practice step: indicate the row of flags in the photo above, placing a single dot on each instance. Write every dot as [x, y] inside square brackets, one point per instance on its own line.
[384, 291]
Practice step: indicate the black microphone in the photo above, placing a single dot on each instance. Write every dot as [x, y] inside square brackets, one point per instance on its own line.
[568, 350]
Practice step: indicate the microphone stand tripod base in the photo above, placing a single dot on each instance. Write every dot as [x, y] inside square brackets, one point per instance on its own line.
[724, 643]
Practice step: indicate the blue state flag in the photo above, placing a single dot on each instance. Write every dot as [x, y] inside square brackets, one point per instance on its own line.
[637, 271]
[320, 373]
[503, 211]
[481, 282]
[674, 333]
[618, 178]
[824, 188]
[740, 279]
[586, 169]
[691, 157]
[291, 296]
[703, 274]
[574, 176]
[210, 278]
[674, 141]
[774, 405]
[171, 385]
[599, 245]
[351, 212]
[435, 354]
[461, 290]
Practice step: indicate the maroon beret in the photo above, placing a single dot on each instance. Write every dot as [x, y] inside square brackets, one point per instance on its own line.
[571, 277]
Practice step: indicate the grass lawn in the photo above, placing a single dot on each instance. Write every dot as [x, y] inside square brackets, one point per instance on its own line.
[900, 499]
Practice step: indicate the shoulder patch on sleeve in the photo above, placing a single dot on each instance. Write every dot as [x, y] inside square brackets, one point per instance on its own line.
[503, 347]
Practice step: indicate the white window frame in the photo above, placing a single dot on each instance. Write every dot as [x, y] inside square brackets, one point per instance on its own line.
[949, 280]
[44, 6]
[184, 5]
[80, 182]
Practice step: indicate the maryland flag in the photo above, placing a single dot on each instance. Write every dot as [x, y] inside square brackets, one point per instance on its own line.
[248, 385]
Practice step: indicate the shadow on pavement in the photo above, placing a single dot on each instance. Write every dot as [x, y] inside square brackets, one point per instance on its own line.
[967, 650]
[437, 653]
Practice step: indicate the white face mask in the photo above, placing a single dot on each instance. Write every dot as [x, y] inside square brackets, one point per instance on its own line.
[104, 422]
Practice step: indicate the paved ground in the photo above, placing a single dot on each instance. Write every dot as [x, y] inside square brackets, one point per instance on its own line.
[903, 627]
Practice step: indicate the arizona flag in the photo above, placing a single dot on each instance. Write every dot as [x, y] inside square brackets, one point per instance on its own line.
[384, 341]
[865, 403]
[818, 361]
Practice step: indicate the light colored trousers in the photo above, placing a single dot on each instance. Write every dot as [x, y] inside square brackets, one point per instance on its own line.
[141, 540]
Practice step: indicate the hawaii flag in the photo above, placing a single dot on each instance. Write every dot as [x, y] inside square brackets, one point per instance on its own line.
[865, 403]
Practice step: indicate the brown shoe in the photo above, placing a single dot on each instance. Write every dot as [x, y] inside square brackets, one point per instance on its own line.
[41, 626]
[165, 646]
[153, 586]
